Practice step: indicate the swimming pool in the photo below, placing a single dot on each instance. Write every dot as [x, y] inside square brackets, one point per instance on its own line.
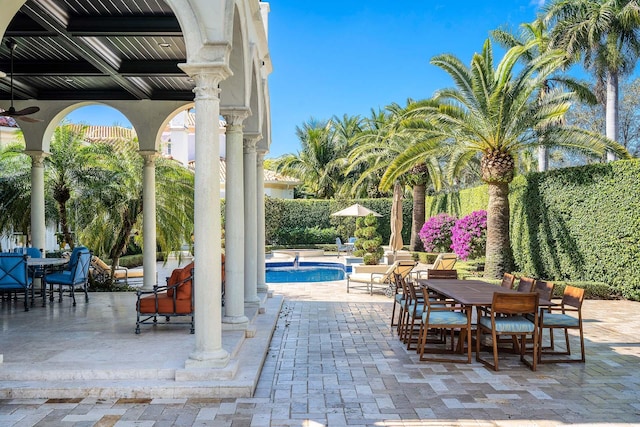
[284, 272]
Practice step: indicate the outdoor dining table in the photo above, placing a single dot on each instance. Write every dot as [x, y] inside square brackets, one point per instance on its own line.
[474, 293]
[45, 265]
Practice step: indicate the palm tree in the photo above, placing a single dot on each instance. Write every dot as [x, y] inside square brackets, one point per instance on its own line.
[496, 114]
[538, 37]
[607, 34]
[65, 170]
[111, 201]
[317, 164]
[389, 134]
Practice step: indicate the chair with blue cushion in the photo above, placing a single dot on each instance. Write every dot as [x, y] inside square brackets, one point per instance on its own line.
[76, 275]
[14, 276]
[441, 315]
[572, 299]
[506, 316]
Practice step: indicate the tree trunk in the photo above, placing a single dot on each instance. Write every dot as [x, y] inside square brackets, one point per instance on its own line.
[611, 111]
[64, 224]
[543, 158]
[119, 246]
[499, 258]
[417, 217]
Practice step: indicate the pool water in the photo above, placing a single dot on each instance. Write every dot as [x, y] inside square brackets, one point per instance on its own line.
[306, 272]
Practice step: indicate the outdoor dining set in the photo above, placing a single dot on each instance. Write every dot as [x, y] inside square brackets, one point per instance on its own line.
[21, 269]
[444, 318]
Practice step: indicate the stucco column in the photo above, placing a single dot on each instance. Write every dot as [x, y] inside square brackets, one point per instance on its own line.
[149, 218]
[262, 282]
[250, 222]
[234, 221]
[207, 220]
[38, 227]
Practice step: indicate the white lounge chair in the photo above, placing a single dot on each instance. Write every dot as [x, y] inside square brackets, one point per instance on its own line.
[380, 279]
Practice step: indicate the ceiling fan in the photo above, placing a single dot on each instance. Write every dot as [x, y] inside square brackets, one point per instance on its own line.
[11, 112]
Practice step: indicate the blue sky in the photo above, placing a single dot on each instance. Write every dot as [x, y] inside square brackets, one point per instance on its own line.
[347, 57]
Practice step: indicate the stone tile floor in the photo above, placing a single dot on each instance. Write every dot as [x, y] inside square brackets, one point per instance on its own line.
[333, 361]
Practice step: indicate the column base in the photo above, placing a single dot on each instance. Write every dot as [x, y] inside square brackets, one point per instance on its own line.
[235, 323]
[252, 301]
[208, 359]
[262, 288]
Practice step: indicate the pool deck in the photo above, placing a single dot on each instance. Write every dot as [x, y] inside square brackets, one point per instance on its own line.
[332, 361]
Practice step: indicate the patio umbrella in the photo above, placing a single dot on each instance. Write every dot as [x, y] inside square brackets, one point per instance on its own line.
[395, 241]
[355, 210]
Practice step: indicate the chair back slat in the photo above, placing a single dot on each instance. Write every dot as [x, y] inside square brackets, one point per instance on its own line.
[80, 269]
[573, 296]
[507, 281]
[514, 303]
[442, 274]
[526, 284]
[545, 289]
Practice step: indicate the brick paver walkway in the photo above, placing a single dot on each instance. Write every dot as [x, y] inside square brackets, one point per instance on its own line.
[334, 361]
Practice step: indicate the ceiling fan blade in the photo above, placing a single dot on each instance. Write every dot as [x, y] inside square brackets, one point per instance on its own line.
[27, 111]
[28, 119]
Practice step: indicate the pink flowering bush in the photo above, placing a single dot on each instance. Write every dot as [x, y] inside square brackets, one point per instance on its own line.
[436, 233]
[469, 235]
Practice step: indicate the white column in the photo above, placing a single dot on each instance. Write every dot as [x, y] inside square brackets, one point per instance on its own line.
[262, 282]
[38, 227]
[250, 222]
[234, 221]
[149, 219]
[207, 220]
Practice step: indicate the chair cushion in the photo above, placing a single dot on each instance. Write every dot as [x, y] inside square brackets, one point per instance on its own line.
[516, 324]
[445, 318]
[60, 278]
[165, 305]
[560, 320]
[400, 298]
[419, 309]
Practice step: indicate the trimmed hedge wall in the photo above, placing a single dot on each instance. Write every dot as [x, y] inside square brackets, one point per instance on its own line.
[574, 224]
[292, 222]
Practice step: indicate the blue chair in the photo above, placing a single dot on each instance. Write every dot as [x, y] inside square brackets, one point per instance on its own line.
[77, 274]
[14, 277]
[31, 252]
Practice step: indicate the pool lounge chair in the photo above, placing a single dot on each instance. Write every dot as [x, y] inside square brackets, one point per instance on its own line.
[102, 271]
[381, 279]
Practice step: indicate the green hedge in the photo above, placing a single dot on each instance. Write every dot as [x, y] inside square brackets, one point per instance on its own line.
[295, 222]
[574, 224]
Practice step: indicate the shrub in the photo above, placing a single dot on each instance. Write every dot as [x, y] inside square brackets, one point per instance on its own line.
[469, 235]
[369, 242]
[436, 233]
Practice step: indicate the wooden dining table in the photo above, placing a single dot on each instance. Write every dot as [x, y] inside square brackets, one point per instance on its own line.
[475, 293]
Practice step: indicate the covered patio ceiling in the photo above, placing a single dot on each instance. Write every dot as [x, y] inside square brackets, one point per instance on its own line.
[96, 50]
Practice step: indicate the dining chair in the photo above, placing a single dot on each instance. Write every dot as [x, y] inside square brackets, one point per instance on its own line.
[76, 275]
[508, 280]
[572, 299]
[413, 314]
[14, 277]
[506, 317]
[443, 315]
[526, 284]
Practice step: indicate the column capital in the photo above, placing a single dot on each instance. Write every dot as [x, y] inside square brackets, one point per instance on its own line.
[260, 158]
[234, 116]
[250, 141]
[149, 156]
[207, 78]
[37, 157]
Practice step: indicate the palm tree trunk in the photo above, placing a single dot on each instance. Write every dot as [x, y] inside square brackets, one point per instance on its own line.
[612, 110]
[499, 256]
[543, 158]
[64, 224]
[418, 217]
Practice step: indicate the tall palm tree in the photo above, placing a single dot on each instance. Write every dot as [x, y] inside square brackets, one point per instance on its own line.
[389, 134]
[606, 33]
[317, 163]
[496, 113]
[65, 169]
[537, 36]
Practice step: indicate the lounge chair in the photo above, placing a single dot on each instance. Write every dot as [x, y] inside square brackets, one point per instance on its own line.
[444, 261]
[101, 271]
[381, 279]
